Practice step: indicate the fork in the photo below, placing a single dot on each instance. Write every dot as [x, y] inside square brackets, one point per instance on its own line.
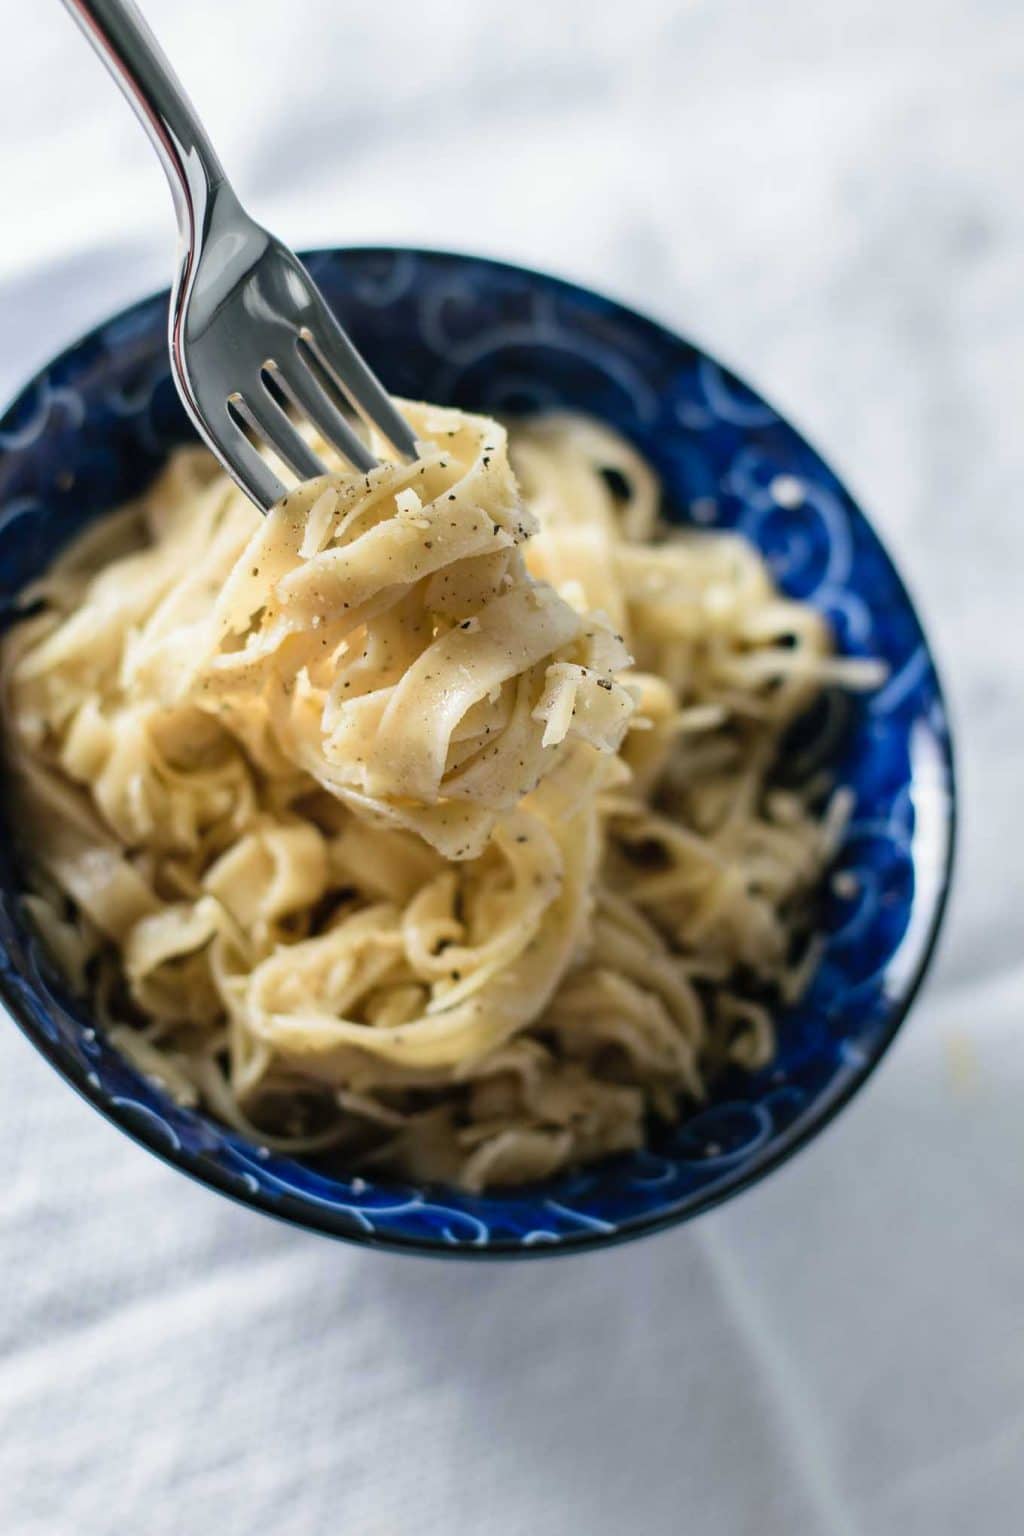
[248, 328]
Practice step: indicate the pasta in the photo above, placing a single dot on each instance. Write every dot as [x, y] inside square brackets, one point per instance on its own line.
[430, 824]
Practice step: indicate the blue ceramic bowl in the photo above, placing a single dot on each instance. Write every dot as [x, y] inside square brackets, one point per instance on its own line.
[92, 428]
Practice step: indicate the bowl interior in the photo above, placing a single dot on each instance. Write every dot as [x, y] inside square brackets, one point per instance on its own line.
[93, 427]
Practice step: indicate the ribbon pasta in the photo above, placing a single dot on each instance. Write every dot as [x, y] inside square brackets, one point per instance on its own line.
[428, 823]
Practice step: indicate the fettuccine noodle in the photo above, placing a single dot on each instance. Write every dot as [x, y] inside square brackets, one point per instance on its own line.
[429, 823]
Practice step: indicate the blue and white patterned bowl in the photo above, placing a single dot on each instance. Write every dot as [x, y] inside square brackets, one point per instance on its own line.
[91, 429]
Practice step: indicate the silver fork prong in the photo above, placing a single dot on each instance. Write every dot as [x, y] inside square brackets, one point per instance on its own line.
[338, 357]
[252, 473]
[269, 420]
[307, 396]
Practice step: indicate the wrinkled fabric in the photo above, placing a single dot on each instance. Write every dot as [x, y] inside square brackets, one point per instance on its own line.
[828, 197]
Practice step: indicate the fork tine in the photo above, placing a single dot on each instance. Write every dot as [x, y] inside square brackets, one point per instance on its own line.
[252, 473]
[266, 417]
[305, 392]
[338, 357]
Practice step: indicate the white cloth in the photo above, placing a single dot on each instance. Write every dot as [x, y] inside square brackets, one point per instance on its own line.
[829, 197]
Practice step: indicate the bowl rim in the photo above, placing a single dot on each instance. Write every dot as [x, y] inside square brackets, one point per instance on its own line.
[294, 1210]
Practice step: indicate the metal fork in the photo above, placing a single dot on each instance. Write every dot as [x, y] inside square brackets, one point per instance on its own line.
[247, 323]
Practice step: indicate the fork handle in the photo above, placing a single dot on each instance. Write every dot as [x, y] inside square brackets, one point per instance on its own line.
[120, 35]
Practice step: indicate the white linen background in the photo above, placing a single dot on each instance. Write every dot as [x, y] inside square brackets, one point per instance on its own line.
[829, 196]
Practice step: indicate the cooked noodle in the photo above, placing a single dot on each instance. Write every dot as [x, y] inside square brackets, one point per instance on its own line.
[431, 821]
